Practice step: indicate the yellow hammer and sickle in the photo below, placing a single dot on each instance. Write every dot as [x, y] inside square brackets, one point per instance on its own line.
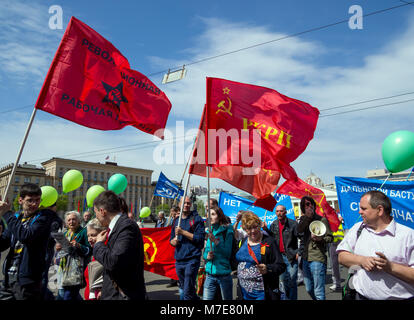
[222, 104]
[269, 171]
[149, 259]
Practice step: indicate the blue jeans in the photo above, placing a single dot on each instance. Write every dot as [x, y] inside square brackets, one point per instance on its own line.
[213, 282]
[187, 275]
[314, 274]
[71, 293]
[289, 278]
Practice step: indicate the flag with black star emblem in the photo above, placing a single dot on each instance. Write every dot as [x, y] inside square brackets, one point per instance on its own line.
[91, 83]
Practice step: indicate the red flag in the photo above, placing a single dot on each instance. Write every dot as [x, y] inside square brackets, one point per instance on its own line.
[259, 184]
[158, 252]
[90, 82]
[266, 202]
[285, 125]
[299, 188]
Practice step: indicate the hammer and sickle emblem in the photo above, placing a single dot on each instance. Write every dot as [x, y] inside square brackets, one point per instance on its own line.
[149, 258]
[222, 104]
[268, 171]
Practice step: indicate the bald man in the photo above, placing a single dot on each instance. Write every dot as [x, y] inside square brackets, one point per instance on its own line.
[188, 240]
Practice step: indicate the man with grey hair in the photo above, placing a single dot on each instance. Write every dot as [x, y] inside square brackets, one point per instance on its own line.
[160, 223]
[381, 250]
[86, 218]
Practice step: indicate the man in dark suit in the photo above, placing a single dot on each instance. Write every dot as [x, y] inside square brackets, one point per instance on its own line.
[120, 250]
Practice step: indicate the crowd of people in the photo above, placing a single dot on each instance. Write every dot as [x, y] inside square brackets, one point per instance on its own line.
[104, 255]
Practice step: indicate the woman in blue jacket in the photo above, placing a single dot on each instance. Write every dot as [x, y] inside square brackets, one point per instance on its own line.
[217, 254]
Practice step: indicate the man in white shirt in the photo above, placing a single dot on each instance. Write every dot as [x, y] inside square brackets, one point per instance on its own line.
[383, 254]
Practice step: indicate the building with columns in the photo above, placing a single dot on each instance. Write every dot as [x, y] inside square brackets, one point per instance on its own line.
[94, 173]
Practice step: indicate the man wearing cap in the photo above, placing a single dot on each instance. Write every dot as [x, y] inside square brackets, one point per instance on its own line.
[314, 250]
[383, 254]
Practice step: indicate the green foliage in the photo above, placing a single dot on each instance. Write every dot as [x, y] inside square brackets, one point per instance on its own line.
[200, 208]
[162, 207]
[62, 203]
[16, 204]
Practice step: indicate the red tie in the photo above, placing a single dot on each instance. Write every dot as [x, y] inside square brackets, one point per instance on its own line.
[107, 236]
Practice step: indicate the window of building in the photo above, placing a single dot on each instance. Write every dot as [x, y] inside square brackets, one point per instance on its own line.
[16, 179]
[142, 180]
[136, 180]
[147, 181]
[26, 179]
[37, 180]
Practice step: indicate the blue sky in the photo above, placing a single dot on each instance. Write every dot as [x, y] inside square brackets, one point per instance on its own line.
[326, 68]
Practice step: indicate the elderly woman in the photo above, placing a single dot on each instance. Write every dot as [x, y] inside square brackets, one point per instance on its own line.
[218, 265]
[79, 249]
[93, 228]
[259, 260]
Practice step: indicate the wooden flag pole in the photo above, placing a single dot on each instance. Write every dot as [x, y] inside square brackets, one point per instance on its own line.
[210, 229]
[19, 153]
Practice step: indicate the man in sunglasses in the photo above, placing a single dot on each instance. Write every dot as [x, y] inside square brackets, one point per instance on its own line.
[314, 251]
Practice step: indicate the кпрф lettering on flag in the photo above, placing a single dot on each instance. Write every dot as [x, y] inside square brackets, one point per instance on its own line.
[259, 122]
[299, 188]
[90, 82]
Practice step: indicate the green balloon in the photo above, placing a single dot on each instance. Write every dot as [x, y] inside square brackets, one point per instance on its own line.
[145, 212]
[49, 196]
[72, 180]
[92, 193]
[398, 151]
[117, 183]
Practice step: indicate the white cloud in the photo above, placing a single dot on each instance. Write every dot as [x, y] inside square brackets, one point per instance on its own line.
[343, 145]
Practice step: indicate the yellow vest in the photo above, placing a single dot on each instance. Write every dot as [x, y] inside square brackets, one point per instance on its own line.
[339, 234]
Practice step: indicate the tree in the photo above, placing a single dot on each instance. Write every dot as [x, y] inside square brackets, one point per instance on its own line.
[200, 208]
[62, 203]
[162, 207]
[16, 204]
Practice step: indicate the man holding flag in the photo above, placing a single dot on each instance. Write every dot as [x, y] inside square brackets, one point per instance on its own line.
[187, 236]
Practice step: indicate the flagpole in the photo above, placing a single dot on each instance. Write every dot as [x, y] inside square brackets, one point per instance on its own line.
[20, 152]
[208, 207]
[186, 184]
[185, 169]
[183, 199]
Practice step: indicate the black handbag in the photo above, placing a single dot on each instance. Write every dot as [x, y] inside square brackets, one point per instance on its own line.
[349, 292]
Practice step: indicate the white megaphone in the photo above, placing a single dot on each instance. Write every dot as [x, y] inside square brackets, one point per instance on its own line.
[317, 228]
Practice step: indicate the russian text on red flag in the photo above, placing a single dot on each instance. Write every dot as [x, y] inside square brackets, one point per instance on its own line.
[285, 125]
[90, 83]
[158, 252]
[299, 188]
[261, 183]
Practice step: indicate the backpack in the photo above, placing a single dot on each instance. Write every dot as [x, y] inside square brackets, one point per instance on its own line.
[234, 248]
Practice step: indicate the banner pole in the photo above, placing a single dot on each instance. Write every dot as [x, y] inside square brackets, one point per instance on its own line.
[183, 199]
[19, 153]
[210, 228]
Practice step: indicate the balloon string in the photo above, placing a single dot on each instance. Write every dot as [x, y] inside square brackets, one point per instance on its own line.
[410, 174]
[385, 181]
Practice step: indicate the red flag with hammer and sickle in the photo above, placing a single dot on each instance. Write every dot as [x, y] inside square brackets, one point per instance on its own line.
[158, 252]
